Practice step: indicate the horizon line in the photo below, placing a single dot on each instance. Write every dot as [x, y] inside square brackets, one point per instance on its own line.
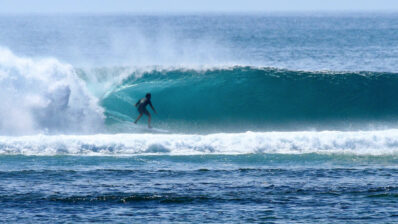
[206, 12]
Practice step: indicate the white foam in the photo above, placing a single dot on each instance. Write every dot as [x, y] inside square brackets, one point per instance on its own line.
[357, 142]
[44, 95]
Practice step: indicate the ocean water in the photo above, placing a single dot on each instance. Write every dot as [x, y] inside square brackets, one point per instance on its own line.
[262, 118]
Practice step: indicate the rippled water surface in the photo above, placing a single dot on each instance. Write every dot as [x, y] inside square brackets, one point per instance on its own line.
[307, 188]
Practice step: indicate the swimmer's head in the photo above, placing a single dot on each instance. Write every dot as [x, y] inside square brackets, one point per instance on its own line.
[148, 95]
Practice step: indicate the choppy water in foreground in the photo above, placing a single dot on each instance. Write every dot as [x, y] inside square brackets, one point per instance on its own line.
[271, 188]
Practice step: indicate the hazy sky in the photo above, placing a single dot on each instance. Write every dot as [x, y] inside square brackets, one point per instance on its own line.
[178, 6]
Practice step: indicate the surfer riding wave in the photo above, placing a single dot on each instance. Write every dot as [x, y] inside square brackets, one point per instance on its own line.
[141, 107]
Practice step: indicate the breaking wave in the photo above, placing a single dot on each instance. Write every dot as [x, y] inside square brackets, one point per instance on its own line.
[50, 97]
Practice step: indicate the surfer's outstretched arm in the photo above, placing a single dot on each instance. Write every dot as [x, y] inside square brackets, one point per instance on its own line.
[138, 102]
[153, 108]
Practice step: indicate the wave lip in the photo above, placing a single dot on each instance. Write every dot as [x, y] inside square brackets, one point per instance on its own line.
[357, 142]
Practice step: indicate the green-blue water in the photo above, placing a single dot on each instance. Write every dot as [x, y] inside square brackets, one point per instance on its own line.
[237, 99]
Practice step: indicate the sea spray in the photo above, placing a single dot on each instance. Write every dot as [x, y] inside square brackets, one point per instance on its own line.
[44, 96]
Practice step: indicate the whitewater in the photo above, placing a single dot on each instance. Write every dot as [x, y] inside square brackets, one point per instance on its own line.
[377, 143]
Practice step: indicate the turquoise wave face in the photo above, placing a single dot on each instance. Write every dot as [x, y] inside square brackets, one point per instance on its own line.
[256, 99]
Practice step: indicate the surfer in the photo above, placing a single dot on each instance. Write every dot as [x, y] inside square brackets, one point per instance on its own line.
[141, 106]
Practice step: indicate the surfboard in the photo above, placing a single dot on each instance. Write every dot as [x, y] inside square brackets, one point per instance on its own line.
[158, 130]
[145, 129]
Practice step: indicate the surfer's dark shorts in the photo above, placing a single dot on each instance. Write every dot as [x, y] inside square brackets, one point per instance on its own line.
[143, 110]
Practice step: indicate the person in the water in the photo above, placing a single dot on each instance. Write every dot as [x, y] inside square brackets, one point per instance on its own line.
[141, 106]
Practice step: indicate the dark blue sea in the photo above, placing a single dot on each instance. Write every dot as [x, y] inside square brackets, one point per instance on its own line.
[262, 118]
